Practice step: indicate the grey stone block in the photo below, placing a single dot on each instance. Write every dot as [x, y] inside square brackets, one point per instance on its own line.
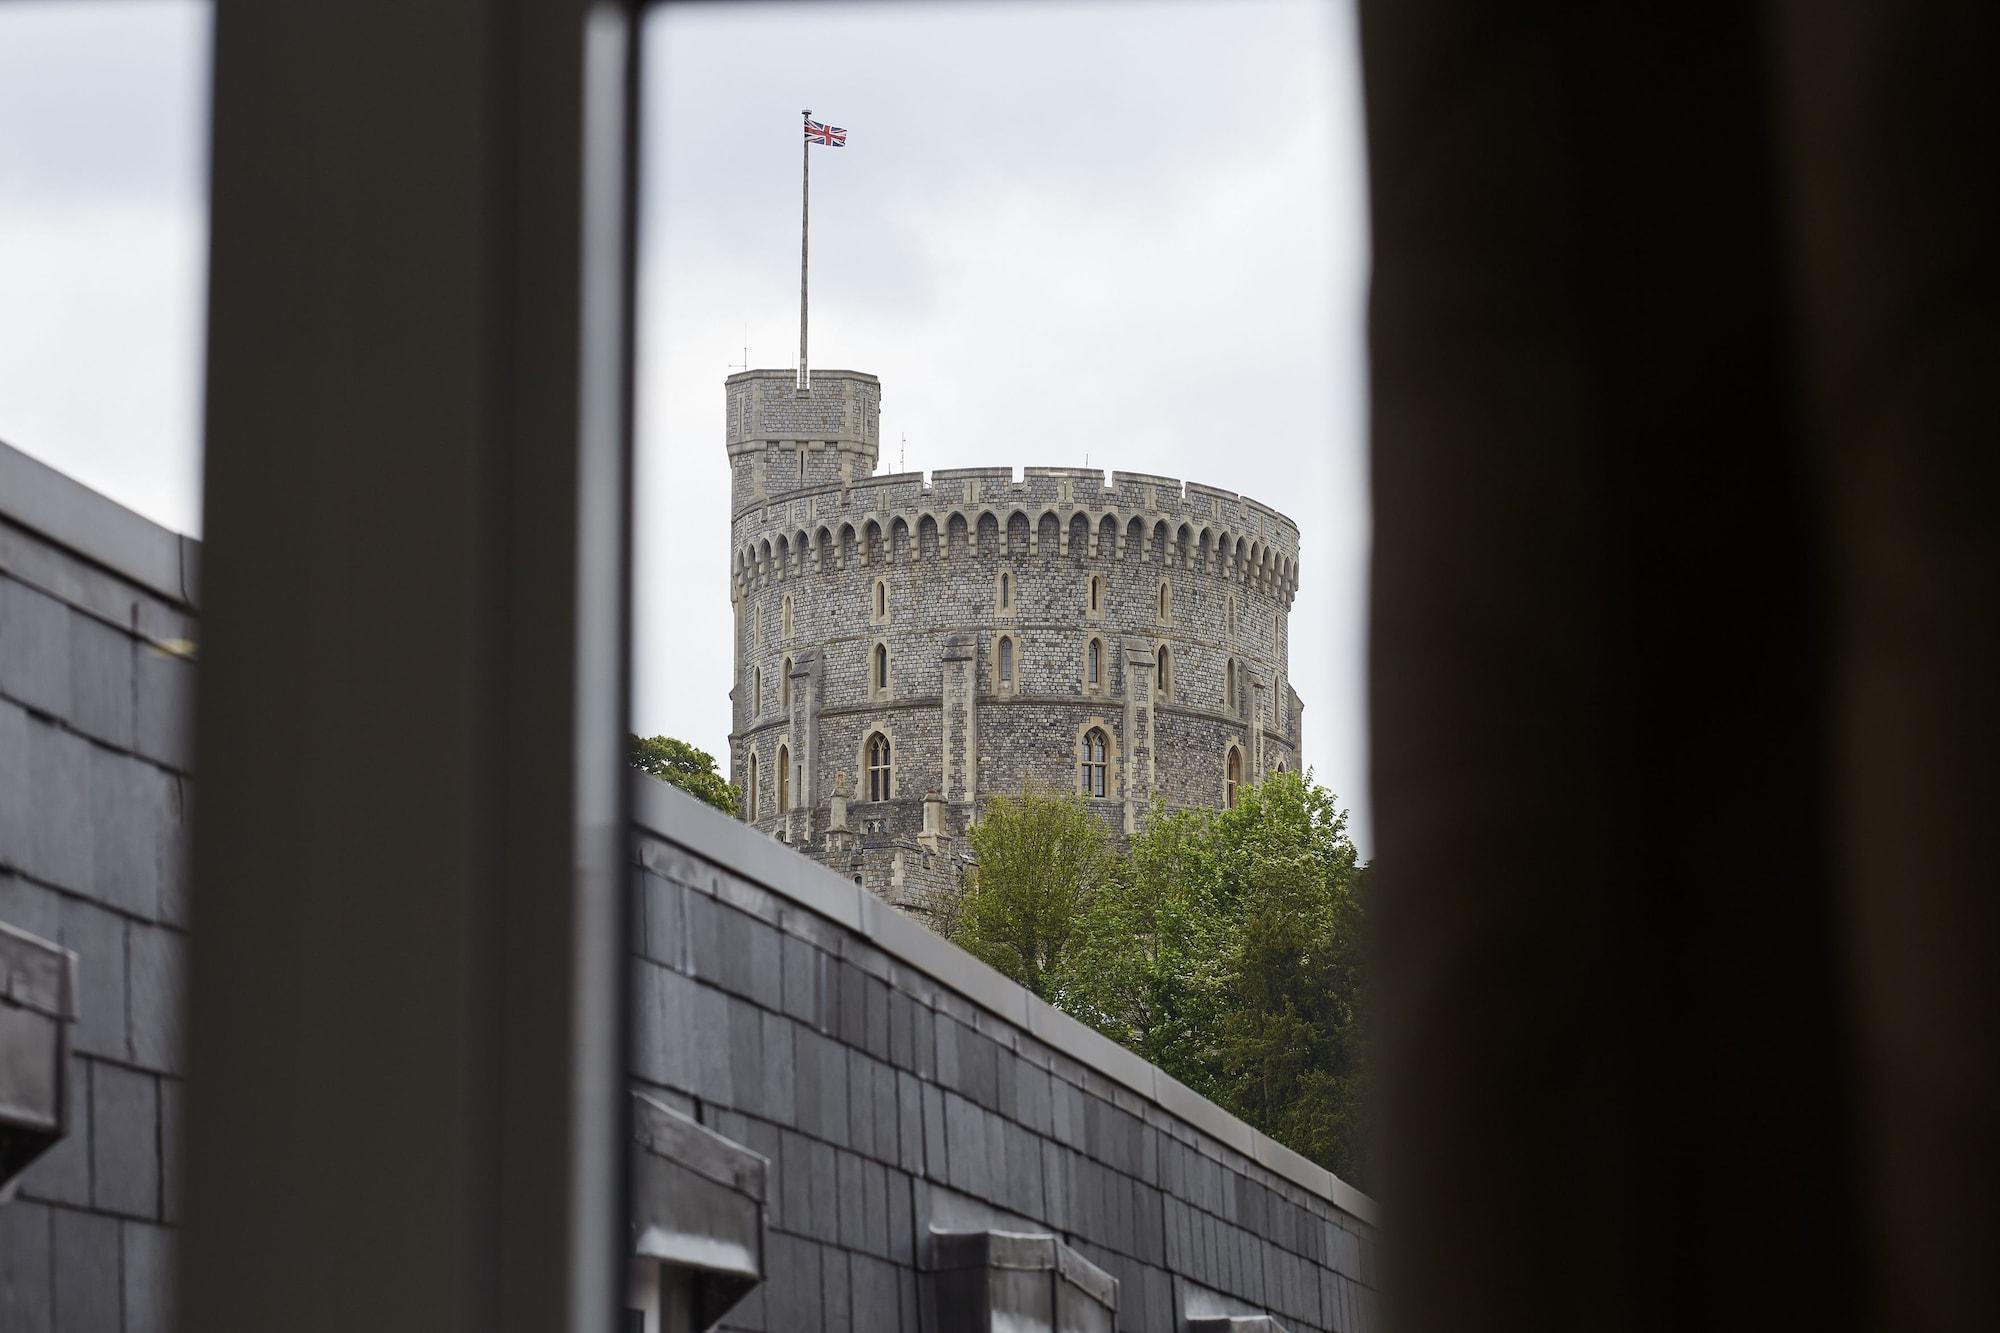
[853, 1232]
[1024, 1169]
[163, 723]
[948, 1047]
[709, 1040]
[148, 1278]
[98, 938]
[875, 1195]
[923, 1040]
[860, 1102]
[58, 830]
[124, 1142]
[170, 1149]
[34, 648]
[901, 1052]
[87, 1259]
[15, 811]
[792, 1283]
[853, 1005]
[28, 906]
[902, 1230]
[909, 1123]
[780, 1095]
[835, 1312]
[1055, 1186]
[886, 1110]
[665, 938]
[965, 1133]
[1345, 1254]
[875, 1035]
[791, 1192]
[825, 1190]
[62, 1174]
[765, 983]
[27, 1267]
[157, 962]
[826, 992]
[177, 821]
[799, 988]
[830, 1057]
[746, 1057]
[874, 1293]
[937, 1162]
[100, 680]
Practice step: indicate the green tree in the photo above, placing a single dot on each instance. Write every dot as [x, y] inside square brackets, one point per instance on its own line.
[1227, 951]
[690, 769]
[1040, 858]
[1288, 1046]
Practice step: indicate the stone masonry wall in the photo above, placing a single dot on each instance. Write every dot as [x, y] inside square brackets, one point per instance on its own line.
[97, 633]
[827, 571]
[898, 1086]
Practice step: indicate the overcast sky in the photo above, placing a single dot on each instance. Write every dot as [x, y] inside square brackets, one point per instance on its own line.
[1131, 234]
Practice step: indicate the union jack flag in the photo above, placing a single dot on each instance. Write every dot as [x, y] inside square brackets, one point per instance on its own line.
[832, 136]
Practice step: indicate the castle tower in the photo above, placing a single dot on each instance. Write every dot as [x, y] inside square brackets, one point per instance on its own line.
[783, 438]
[907, 647]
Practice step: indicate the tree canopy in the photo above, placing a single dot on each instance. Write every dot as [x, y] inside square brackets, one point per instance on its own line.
[1223, 946]
[1039, 860]
[691, 769]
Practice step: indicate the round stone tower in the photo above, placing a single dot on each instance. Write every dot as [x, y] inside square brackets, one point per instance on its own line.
[906, 648]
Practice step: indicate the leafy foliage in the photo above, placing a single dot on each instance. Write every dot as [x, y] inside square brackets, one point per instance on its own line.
[692, 770]
[1224, 947]
[1040, 858]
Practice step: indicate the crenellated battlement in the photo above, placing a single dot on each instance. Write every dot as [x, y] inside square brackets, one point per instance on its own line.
[966, 513]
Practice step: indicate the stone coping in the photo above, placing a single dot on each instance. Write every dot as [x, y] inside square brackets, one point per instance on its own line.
[667, 812]
[69, 514]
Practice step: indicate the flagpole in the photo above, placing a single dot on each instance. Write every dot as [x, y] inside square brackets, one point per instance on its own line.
[805, 219]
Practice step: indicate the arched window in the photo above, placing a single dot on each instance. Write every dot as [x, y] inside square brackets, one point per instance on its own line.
[1095, 762]
[1006, 590]
[881, 673]
[1163, 673]
[1093, 667]
[1232, 778]
[784, 778]
[786, 608]
[878, 767]
[1166, 602]
[757, 625]
[881, 599]
[785, 686]
[1006, 664]
[1229, 685]
[1096, 592]
[750, 786]
[756, 691]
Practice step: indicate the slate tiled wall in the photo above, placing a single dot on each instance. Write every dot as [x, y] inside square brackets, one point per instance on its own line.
[888, 1102]
[96, 688]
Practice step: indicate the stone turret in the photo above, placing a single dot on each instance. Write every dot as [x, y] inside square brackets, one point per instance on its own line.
[783, 438]
[908, 646]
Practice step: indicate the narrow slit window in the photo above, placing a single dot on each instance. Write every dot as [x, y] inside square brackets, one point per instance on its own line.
[1006, 661]
[882, 666]
[784, 779]
[785, 686]
[1233, 777]
[1093, 670]
[750, 786]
